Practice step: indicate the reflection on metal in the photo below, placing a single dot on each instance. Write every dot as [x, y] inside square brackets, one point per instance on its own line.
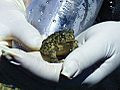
[49, 16]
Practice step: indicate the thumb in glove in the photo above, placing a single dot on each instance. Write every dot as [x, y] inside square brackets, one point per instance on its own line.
[100, 42]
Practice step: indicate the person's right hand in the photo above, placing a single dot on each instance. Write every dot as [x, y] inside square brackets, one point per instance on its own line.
[99, 43]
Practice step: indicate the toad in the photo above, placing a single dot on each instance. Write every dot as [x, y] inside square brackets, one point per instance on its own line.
[58, 45]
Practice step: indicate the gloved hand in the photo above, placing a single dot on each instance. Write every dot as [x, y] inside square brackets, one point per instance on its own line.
[99, 42]
[34, 62]
[14, 26]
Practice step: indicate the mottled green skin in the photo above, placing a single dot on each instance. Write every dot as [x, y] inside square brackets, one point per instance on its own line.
[7, 87]
[58, 45]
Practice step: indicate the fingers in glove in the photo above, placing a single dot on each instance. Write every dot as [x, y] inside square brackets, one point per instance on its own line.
[90, 52]
[27, 34]
[105, 69]
[5, 43]
[70, 69]
[5, 33]
[5, 37]
[97, 45]
[37, 65]
[8, 51]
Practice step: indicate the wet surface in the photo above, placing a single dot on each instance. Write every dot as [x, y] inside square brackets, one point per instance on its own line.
[49, 16]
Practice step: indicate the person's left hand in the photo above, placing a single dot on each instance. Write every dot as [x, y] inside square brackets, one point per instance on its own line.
[14, 26]
[100, 42]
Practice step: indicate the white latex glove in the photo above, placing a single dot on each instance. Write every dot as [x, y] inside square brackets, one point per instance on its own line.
[34, 62]
[101, 41]
[14, 26]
